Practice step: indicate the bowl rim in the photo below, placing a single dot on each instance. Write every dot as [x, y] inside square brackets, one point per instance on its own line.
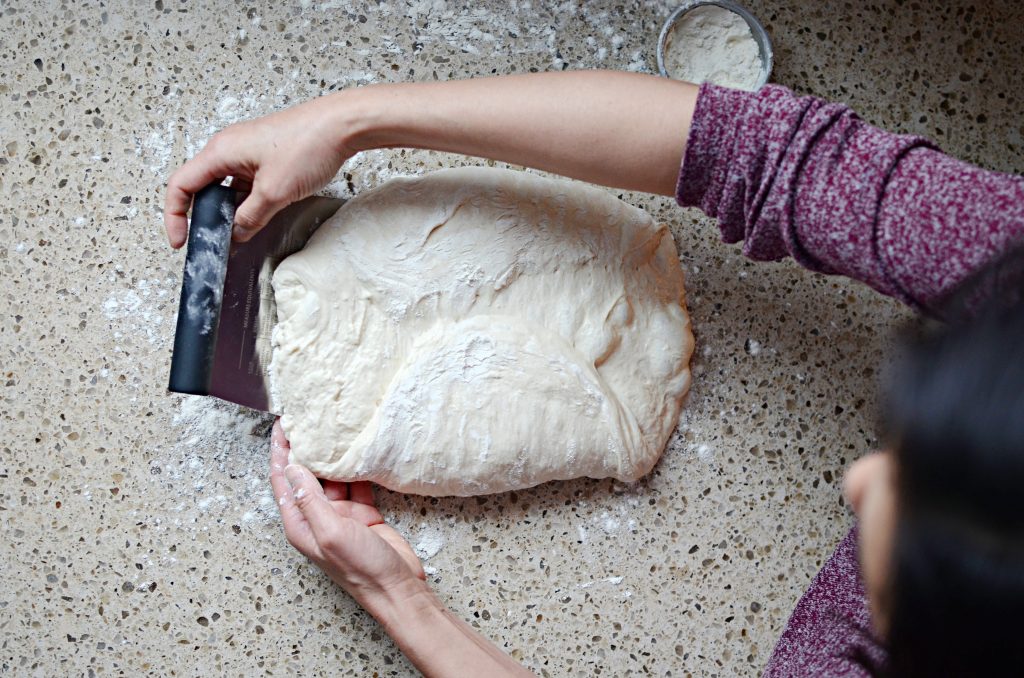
[764, 43]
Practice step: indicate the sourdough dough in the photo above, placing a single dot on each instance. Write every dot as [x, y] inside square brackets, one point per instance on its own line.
[479, 330]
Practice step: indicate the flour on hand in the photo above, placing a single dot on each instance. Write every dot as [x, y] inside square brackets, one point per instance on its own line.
[481, 330]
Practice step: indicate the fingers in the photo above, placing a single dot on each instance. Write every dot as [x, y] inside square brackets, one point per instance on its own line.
[198, 172]
[362, 493]
[176, 206]
[256, 210]
[310, 520]
[241, 184]
[401, 547]
[311, 501]
[360, 513]
[334, 490]
[359, 507]
[279, 451]
[295, 526]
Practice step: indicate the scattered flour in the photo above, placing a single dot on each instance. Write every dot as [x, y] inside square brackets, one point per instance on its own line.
[614, 581]
[156, 148]
[609, 523]
[495, 31]
[219, 464]
[713, 44]
[705, 454]
[429, 543]
[365, 171]
[615, 521]
[217, 458]
[511, 29]
[135, 311]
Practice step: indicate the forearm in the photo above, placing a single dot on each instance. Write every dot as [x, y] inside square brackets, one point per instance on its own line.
[436, 641]
[624, 130]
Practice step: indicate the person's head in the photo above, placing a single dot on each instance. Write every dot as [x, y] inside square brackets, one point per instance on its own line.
[942, 513]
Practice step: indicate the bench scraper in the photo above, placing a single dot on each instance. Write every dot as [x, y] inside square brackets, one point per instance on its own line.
[227, 311]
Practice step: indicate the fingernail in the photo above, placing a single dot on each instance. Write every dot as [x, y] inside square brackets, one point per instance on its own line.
[293, 474]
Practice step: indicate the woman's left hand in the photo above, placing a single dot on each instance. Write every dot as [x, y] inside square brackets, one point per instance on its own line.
[339, 528]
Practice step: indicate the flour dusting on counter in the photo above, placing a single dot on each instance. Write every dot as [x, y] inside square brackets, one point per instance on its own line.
[220, 460]
[429, 543]
[129, 311]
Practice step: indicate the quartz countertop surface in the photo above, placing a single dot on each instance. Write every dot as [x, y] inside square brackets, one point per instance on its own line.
[139, 532]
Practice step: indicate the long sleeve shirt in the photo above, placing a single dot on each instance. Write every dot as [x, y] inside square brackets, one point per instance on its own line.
[801, 177]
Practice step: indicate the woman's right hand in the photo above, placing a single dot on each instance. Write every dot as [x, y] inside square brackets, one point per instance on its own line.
[625, 130]
[283, 157]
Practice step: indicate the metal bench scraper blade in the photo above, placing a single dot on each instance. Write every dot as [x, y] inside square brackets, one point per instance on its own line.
[227, 311]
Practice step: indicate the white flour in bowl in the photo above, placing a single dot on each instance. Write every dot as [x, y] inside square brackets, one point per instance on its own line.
[713, 44]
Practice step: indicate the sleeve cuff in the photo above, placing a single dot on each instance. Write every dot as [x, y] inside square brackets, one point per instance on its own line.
[709, 149]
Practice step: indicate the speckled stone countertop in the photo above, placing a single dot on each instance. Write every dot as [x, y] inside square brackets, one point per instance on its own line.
[139, 534]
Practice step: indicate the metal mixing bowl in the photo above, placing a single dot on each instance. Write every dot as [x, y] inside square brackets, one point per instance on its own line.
[764, 43]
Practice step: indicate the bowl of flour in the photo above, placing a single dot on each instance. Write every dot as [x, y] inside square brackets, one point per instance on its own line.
[715, 41]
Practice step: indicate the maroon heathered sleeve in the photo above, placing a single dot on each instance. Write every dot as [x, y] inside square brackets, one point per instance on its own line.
[802, 177]
[829, 632]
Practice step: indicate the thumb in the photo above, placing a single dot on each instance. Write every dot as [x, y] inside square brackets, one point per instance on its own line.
[310, 499]
[256, 210]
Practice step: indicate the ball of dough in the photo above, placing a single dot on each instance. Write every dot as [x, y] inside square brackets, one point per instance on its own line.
[480, 330]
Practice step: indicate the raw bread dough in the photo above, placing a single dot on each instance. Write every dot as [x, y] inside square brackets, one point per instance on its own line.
[479, 330]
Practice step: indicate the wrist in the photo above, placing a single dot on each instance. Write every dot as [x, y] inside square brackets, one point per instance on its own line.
[404, 606]
[366, 118]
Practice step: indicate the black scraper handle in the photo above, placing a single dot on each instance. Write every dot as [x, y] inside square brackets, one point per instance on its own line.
[202, 289]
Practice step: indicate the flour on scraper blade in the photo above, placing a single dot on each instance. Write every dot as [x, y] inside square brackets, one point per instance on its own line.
[480, 330]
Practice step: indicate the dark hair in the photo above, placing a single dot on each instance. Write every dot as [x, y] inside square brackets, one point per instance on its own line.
[954, 414]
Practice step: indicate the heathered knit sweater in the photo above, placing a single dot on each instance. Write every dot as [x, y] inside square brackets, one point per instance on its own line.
[800, 177]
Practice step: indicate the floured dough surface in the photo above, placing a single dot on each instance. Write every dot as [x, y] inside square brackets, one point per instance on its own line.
[480, 330]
